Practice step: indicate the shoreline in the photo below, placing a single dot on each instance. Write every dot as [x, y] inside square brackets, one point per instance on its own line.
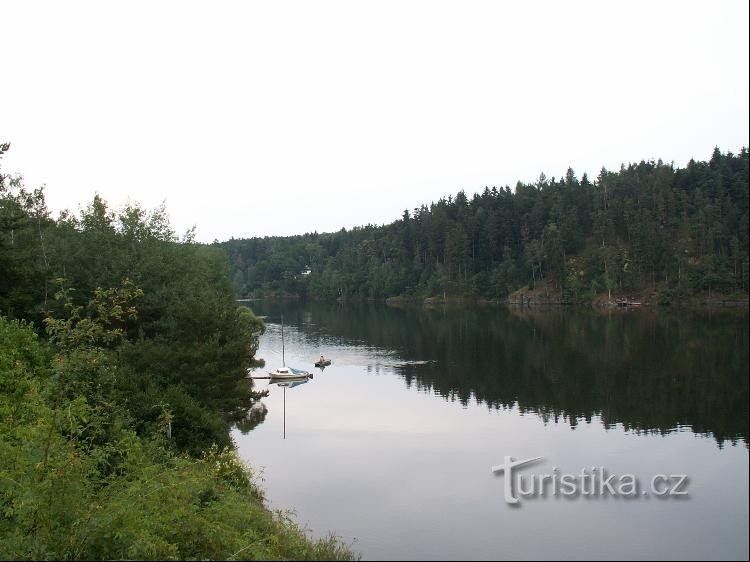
[601, 302]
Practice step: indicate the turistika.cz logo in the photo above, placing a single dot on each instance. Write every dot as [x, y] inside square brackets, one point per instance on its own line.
[589, 482]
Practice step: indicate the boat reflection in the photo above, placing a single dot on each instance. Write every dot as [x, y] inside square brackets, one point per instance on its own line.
[289, 383]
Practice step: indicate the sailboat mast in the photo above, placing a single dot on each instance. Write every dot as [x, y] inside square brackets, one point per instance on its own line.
[283, 361]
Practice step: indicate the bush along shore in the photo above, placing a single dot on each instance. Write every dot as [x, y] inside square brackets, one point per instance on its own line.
[123, 366]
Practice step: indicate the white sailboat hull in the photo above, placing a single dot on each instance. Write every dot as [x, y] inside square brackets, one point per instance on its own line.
[289, 374]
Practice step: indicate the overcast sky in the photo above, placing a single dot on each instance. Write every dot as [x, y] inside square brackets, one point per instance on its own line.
[260, 118]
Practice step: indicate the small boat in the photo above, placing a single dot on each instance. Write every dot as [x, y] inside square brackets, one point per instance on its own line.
[322, 362]
[289, 373]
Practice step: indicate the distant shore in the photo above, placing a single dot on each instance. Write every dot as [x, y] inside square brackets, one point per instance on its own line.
[541, 298]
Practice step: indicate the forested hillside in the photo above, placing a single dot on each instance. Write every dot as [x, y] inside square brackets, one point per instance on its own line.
[649, 227]
[123, 364]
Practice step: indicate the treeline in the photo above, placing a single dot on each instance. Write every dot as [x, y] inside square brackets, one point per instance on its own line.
[647, 227]
[123, 364]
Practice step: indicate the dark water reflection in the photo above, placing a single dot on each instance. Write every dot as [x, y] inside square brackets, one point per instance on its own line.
[645, 370]
[392, 444]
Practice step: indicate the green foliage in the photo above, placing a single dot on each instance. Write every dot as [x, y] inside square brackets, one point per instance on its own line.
[24, 249]
[666, 297]
[111, 311]
[648, 225]
[78, 482]
[114, 431]
[189, 334]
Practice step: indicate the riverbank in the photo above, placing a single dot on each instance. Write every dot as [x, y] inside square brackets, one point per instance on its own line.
[543, 297]
[82, 482]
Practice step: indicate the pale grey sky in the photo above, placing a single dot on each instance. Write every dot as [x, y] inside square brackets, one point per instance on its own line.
[260, 118]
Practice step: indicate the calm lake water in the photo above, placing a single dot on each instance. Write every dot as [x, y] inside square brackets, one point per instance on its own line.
[391, 447]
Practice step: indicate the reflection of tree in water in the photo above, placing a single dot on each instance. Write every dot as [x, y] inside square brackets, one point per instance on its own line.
[649, 371]
[255, 416]
[247, 411]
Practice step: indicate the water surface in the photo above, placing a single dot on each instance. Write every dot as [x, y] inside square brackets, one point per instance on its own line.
[391, 447]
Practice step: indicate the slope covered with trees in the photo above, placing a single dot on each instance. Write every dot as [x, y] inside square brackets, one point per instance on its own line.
[647, 227]
[123, 364]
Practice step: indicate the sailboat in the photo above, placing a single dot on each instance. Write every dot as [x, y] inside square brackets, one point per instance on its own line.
[289, 373]
[284, 372]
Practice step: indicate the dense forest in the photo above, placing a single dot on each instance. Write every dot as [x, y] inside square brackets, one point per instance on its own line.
[123, 364]
[649, 228]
